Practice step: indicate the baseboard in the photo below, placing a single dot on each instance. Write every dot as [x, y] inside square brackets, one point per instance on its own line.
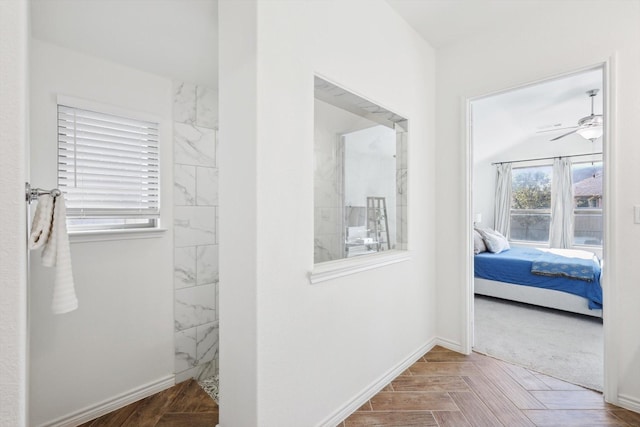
[451, 345]
[376, 386]
[109, 405]
[628, 402]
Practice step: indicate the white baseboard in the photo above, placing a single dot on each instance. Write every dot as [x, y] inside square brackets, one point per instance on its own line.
[451, 345]
[376, 386]
[628, 402]
[109, 405]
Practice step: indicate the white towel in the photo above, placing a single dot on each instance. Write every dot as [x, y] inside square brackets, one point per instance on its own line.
[49, 229]
[42, 221]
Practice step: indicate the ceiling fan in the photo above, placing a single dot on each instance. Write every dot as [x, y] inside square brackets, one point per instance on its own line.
[589, 127]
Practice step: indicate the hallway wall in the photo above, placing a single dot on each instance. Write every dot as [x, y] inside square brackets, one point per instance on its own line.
[13, 275]
[293, 353]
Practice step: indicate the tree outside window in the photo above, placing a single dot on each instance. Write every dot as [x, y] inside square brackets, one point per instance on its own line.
[531, 204]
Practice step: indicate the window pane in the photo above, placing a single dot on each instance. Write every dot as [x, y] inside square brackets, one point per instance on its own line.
[531, 188]
[588, 227]
[530, 225]
[530, 204]
[587, 192]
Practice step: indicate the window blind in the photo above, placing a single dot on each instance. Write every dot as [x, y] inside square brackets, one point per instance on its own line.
[107, 165]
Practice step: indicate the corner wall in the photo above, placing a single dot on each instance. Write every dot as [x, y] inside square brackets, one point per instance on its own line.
[293, 353]
[13, 275]
[558, 42]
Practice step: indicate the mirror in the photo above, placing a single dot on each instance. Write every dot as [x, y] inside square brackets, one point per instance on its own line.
[360, 175]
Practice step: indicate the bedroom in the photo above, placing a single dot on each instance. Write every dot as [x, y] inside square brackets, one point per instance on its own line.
[537, 179]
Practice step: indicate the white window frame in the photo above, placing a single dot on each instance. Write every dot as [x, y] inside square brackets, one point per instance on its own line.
[127, 227]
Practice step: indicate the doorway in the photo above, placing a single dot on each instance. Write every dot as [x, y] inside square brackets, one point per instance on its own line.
[530, 127]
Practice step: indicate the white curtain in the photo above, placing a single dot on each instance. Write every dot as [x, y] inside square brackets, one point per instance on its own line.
[502, 209]
[561, 228]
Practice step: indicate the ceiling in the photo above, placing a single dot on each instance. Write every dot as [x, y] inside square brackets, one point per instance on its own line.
[446, 22]
[177, 39]
[506, 120]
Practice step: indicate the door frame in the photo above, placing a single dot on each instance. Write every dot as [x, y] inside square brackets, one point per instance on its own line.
[608, 66]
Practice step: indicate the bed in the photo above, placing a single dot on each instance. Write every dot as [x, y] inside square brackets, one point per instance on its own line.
[563, 279]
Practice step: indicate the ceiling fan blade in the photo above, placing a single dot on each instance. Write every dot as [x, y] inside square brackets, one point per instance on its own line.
[563, 135]
[556, 129]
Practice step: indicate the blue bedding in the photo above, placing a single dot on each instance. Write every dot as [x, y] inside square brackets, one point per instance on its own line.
[514, 266]
[550, 264]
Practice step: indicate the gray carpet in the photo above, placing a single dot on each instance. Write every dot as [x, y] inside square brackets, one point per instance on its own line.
[560, 344]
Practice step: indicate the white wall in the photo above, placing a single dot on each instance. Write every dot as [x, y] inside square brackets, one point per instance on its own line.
[293, 353]
[13, 139]
[121, 336]
[485, 64]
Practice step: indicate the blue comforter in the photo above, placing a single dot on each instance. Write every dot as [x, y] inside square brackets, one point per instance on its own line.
[550, 264]
[514, 266]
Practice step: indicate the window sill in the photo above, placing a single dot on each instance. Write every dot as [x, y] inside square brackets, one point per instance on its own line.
[110, 235]
[334, 269]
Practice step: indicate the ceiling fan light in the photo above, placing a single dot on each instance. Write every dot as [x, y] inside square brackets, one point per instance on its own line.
[591, 132]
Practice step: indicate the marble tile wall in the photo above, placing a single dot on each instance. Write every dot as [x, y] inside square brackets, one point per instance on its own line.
[401, 193]
[328, 237]
[195, 115]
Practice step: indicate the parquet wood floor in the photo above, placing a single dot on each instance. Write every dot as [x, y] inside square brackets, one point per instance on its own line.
[448, 389]
[443, 388]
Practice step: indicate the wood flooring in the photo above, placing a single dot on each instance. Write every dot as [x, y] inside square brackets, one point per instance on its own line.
[443, 388]
[448, 389]
[183, 405]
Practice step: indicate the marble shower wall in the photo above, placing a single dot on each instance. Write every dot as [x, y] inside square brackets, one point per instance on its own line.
[328, 210]
[401, 188]
[327, 201]
[195, 116]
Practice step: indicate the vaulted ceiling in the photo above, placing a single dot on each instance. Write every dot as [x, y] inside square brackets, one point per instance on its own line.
[172, 38]
[178, 39]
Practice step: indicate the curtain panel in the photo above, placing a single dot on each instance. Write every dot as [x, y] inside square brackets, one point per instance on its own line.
[502, 209]
[561, 228]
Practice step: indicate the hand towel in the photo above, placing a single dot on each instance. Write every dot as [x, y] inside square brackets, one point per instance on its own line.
[42, 221]
[49, 229]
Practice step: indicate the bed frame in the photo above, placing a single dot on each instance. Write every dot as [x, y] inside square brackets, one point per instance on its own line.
[537, 296]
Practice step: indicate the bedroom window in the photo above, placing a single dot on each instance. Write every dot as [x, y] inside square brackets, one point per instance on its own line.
[530, 204]
[108, 168]
[587, 193]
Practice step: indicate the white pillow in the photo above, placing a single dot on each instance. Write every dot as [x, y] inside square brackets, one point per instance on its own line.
[478, 243]
[495, 241]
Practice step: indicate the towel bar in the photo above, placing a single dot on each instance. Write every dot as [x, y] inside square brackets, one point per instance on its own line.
[32, 194]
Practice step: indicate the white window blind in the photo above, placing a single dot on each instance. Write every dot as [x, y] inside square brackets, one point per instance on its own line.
[107, 165]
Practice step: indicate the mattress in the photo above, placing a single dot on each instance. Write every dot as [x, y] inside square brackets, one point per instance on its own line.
[514, 266]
